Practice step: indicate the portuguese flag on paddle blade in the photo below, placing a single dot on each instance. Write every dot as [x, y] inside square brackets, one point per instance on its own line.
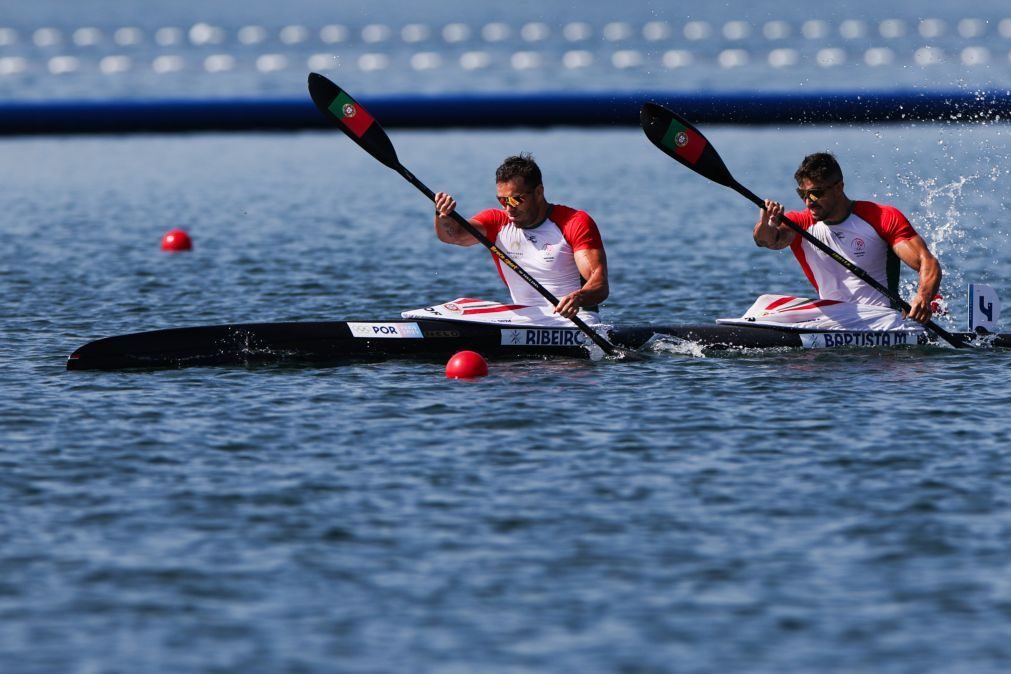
[684, 142]
[356, 118]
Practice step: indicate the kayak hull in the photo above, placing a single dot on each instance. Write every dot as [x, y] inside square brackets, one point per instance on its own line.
[349, 341]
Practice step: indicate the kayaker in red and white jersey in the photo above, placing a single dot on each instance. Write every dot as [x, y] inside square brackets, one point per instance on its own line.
[874, 237]
[559, 246]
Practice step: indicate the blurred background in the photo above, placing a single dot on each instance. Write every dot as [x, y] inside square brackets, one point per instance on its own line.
[124, 49]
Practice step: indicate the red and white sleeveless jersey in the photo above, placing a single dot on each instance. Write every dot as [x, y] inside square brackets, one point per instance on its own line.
[865, 238]
[546, 252]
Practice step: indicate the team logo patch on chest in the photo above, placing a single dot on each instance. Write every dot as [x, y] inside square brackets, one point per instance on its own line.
[858, 245]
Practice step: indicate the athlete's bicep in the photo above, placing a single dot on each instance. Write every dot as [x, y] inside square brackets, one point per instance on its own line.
[591, 262]
[913, 252]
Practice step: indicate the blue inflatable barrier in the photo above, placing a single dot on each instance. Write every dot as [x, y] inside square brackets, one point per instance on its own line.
[503, 110]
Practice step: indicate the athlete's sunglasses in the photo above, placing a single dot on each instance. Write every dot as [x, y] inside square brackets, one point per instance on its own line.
[514, 200]
[815, 193]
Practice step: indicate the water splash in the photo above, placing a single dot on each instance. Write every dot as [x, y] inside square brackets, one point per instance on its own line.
[674, 345]
[942, 217]
[941, 223]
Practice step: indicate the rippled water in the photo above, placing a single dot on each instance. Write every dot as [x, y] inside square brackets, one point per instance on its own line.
[801, 511]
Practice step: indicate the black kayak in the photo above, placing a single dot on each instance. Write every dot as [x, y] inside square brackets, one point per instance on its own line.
[334, 342]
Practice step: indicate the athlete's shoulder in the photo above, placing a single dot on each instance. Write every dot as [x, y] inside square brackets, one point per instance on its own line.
[493, 220]
[492, 216]
[872, 211]
[888, 220]
[803, 218]
[577, 227]
[562, 214]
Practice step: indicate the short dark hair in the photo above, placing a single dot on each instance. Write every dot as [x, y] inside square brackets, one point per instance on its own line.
[519, 166]
[820, 168]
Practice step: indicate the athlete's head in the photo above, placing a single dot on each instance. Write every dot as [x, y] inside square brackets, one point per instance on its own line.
[520, 166]
[820, 168]
[519, 189]
[820, 187]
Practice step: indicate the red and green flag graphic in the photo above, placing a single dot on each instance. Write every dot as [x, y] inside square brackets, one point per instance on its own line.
[356, 118]
[684, 142]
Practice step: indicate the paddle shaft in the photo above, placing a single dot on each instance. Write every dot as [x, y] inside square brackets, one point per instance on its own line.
[608, 348]
[855, 270]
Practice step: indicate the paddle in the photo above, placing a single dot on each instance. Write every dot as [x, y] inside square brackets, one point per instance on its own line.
[678, 139]
[355, 121]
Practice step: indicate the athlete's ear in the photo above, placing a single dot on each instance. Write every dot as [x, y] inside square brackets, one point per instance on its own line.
[539, 191]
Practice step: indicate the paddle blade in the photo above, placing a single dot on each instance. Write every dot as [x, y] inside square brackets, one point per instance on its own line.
[351, 118]
[677, 138]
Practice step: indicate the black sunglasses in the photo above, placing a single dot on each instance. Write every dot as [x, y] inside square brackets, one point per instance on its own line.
[815, 193]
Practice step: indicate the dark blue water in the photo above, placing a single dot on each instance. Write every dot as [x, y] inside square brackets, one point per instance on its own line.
[752, 512]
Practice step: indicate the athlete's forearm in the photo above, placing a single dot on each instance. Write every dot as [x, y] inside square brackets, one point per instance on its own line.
[595, 290]
[930, 279]
[766, 236]
[449, 230]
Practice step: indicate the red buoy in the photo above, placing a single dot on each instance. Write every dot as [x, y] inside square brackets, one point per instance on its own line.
[176, 240]
[466, 365]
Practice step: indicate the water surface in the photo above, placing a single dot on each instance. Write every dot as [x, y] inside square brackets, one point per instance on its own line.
[828, 511]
